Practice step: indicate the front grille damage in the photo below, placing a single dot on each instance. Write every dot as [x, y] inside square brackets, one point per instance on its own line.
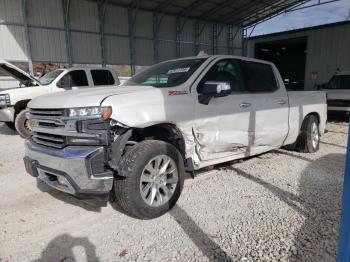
[53, 128]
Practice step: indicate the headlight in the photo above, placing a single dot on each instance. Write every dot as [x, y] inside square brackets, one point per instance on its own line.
[5, 100]
[96, 111]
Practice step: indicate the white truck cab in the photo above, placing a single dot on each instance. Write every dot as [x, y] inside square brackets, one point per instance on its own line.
[338, 92]
[13, 101]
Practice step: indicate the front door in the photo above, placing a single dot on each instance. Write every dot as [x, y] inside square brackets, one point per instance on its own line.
[222, 128]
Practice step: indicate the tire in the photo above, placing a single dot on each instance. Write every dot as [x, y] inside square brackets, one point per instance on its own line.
[133, 170]
[309, 137]
[21, 124]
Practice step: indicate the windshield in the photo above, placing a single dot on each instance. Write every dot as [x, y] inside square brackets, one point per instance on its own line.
[167, 74]
[50, 77]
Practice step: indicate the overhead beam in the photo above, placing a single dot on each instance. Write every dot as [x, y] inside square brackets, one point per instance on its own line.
[26, 35]
[189, 8]
[281, 9]
[159, 8]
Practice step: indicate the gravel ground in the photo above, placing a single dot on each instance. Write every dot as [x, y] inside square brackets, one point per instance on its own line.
[279, 206]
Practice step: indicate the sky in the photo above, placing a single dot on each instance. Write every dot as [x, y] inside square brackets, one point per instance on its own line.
[318, 15]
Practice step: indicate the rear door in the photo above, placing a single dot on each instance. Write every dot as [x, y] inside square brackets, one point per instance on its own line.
[269, 106]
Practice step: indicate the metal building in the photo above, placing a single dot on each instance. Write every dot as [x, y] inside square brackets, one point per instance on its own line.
[311, 55]
[125, 32]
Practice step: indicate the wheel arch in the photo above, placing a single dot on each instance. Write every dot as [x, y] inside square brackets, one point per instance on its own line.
[20, 105]
[313, 114]
[167, 132]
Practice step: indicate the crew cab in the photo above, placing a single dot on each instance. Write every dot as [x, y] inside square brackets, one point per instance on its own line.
[13, 101]
[338, 92]
[133, 144]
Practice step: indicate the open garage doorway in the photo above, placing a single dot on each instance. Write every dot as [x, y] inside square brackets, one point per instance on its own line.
[289, 55]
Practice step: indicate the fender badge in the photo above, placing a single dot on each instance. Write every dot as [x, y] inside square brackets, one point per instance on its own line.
[177, 93]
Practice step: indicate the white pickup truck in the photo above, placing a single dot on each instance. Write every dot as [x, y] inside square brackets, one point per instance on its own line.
[338, 92]
[13, 102]
[133, 144]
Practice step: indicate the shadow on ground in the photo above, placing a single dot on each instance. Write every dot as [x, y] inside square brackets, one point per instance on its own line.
[5, 130]
[67, 198]
[61, 249]
[318, 201]
[204, 243]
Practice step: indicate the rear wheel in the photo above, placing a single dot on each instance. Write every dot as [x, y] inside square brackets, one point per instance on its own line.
[22, 124]
[152, 180]
[309, 137]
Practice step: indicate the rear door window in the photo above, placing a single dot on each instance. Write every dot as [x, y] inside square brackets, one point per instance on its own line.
[258, 77]
[102, 77]
[344, 81]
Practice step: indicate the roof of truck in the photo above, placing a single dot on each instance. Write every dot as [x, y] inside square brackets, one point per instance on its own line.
[343, 73]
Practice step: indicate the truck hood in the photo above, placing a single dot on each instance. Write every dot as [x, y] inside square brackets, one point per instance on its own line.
[83, 97]
[17, 73]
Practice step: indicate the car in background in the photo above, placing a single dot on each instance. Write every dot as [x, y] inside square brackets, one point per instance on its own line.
[13, 101]
[338, 92]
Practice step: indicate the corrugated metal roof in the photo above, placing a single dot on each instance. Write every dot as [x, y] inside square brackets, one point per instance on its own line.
[235, 12]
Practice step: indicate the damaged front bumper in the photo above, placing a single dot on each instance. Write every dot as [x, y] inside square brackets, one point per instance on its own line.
[77, 170]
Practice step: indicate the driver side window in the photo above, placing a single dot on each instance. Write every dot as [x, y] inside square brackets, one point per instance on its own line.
[227, 71]
[75, 78]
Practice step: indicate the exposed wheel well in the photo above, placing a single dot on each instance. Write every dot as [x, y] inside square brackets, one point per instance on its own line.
[313, 114]
[20, 105]
[165, 132]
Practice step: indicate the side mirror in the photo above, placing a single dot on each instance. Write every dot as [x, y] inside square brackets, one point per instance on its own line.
[212, 89]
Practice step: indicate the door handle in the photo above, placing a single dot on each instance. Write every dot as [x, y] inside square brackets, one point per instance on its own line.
[244, 105]
[281, 102]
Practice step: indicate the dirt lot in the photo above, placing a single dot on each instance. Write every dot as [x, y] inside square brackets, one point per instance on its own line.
[280, 206]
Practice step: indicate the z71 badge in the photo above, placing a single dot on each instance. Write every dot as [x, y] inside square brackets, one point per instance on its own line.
[177, 93]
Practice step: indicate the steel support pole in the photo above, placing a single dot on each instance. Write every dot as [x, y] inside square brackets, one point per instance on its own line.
[66, 19]
[178, 36]
[344, 236]
[102, 7]
[196, 37]
[131, 41]
[215, 39]
[156, 25]
[26, 36]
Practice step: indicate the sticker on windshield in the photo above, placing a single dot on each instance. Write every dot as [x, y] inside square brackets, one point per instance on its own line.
[178, 70]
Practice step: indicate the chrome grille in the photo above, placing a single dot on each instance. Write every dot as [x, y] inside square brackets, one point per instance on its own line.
[56, 141]
[49, 127]
[46, 112]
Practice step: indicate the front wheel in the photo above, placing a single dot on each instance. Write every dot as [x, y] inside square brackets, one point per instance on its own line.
[309, 137]
[152, 177]
[22, 124]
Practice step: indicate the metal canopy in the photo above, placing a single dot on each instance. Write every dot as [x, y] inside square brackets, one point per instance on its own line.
[234, 12]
